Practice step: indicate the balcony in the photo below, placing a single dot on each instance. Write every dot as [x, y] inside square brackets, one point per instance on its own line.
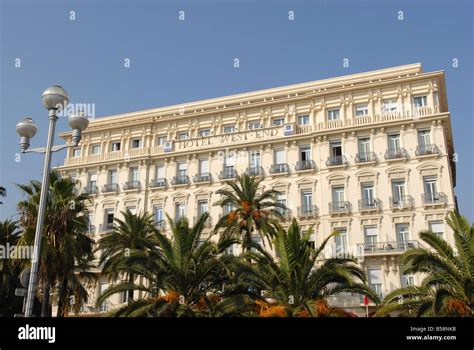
[339, 207]
[305, 165]
[434, 199]
[91, 190]
[396, 154]
[207, 223]
[370, 206]
[227, 174]
[90, 230]
[279, 169]
[400, 203]
[160, 225]
[336, 161]
[200, 178]
[427, 151]
[108, 188]
[365, 158]
[131, 185]
[286, 213]
[307, 211]
[384, 248]
[180, 180]
[158, 183]
[254, 171]
[106, 227]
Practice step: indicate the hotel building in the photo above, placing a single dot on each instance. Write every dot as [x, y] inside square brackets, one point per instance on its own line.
[369, 155]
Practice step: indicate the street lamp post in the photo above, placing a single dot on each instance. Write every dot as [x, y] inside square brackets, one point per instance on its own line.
[54, 99]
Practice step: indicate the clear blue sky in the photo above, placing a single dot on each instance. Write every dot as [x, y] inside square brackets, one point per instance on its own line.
[176, 61]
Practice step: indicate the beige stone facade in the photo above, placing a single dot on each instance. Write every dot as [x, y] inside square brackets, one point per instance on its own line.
[369, 155]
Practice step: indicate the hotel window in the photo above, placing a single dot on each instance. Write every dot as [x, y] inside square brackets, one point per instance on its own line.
[115, 146]
[375, 280]
[90, 222]
[424, 137]
[112, 177]
[281, 199]
[134, 175]
[408, 280]
[229, 165]
[227, 129]
[279, 157]
[335, 150]
[389, 106]
[180, 211]
[361, 110]
[109, 218]
[370, 237]
[368, 196]
[333, 114]
[160, 172]
[254, 125]
[303, 120]
[420, 101]
[364, 148]
[398, 191]
[203, 167]
[102, 288]
[341, 241]
[338, 198]
[95, 149]
[305, 153]
[437, 227]
[205, 132]
[403, 236]
[158, 214]
[227, 208]
[202, 207]
[136, 143]
[254, 158]
[76, 152]
[160, 140]
[394, 142]
[278, 121]
[306, 201]
[181, 172]
[183, 136]
[92, 182]
[431, 191]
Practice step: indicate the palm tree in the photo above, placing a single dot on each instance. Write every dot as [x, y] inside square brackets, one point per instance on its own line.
[252, 211]
[448, 288]
[132, 234]
[9, 269]
[66, 250]
[3, 193]
[295, 281]
[183, 274]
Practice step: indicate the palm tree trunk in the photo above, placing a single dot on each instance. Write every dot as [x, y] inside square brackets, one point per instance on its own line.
[131, 279]
[46, 297]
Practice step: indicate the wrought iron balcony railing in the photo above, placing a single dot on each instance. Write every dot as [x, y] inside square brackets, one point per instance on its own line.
[204, 177]
[159, 182]
[386, 247]
[339, 207]
[254, 171]
[286, 213]
[131, 185]
[336, 160]
[434, 198]
[227, 173]
[305, 165]
[106, 227]
[279, 168]
[374, 204]
[180, 180]
[306, 211]
[397, 153]
[90, 189]
[401, 202]
[424, 150]
[365, 157]
[110, 188]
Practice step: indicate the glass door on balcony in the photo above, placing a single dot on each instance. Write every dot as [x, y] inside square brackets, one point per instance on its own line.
[281, 198]
[229, 164]
[113, 177]
[306, 201]
[376, 280]
[109, 218]
[341, 242]
[158, 213]
[424, 138]
[368, 199]
[160, 171]
[254, 160]
[279, 155]
[181, 170]
[430, 188]
[394, 142]
[364, 149]
[305, 153]
[203, 207]
[336, 151]
[338, 198]
[398, 190]
[402, 236]
[92, 182]
[203, 167]
[134, 174]
[180, 211]
[370, 238]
